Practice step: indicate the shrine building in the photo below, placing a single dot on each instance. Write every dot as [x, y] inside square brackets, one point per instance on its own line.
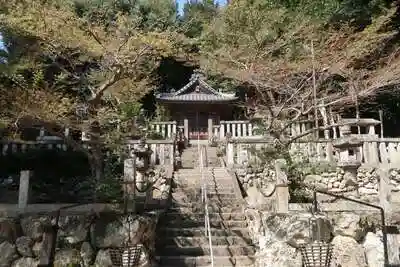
[197, 106]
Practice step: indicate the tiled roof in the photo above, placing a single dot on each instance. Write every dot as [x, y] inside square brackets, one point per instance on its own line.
[197, 90]
[197, 97]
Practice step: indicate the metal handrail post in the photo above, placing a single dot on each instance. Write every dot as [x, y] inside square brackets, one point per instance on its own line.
[205, 199]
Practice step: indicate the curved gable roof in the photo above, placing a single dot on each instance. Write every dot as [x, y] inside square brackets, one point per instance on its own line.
[197, 90]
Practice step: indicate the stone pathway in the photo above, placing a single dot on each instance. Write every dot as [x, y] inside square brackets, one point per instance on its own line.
[182, 239]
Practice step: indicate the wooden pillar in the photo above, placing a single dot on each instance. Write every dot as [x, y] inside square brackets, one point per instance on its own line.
[186, 128]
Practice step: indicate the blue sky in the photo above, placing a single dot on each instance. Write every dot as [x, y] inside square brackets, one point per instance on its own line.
[1, 43]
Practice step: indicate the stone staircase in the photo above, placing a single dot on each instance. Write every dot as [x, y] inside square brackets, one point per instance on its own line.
[182, 239]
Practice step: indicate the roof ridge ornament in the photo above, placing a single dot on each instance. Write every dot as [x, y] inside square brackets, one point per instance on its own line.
[197, 75]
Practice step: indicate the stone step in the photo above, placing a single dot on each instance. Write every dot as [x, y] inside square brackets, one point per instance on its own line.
[199, 232]
[213, 202]
[210, 189]
[200, 223]
[206, 169]
[205, 250]
[210, 192]
[198, 186]
[204, 261]
[216, 176]
[210, 195]
[200, 208]
[222, 191]
[183, 241]
[199, 216]
[198, 178]
[213, 198]
[212, 207]
[207, 175]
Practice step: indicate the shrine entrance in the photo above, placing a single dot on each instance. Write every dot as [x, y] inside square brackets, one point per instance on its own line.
[198, 125]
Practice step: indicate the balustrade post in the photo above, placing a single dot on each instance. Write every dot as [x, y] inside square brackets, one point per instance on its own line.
[329, 152]
[373, 146]
[169, 130]
[163, 130]
[162, 154]
[384, 155]
[222, 130]
[216, 130]
[233, 125]
[41, 133]
[244, 126]
[172, 149]
[282, 188]
[129, 181]
[230, 153]
[24, 189]
[239, 130]
[153, 157]
[174, 127]
[210, 128]
[250, 127]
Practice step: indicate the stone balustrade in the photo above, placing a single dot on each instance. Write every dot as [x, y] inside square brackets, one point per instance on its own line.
[166, 128]
[374, 151]
[236, 128]
[162, 149]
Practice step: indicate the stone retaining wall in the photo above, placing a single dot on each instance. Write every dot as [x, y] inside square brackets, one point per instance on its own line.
[364, 187]
[355, 236]
[87, 233]
[82, 239]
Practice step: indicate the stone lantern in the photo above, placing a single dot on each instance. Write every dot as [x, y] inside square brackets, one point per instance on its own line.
[349, 156]
[142, 156]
